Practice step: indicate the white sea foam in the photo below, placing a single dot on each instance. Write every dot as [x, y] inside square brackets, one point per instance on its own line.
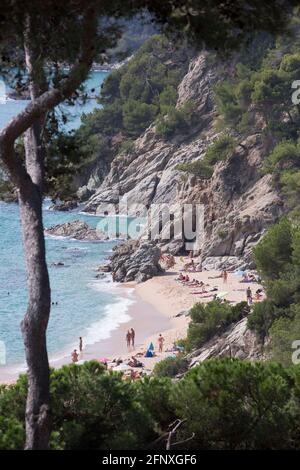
[115, 315]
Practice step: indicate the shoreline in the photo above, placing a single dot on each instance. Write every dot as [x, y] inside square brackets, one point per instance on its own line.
[155, 308]
[143, 317]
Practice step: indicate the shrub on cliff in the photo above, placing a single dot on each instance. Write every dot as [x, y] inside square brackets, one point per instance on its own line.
[172, 120]
[273, 253]
[278, 259]
[198, 168]
[211, 319]
[134, 95]
[220, 150]
[285, 155]
[170, 367]
[284, 338]
[261, 318]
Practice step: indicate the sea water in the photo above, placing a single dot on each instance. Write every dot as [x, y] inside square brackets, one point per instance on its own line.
[10, 107]
[83, 305]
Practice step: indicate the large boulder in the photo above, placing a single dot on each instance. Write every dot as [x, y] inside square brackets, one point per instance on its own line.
[135, 261]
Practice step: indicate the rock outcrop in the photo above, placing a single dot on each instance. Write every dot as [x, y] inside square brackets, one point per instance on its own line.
[78, 230]
[64, 206]
[238, 342]
[240, 203]
[135, 261]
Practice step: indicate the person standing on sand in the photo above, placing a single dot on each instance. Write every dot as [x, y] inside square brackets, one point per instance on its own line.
[128, 339]
[132, 334]
[80, 344]
[74, 356]
[161, 341]
[225, 276]
[249, 296]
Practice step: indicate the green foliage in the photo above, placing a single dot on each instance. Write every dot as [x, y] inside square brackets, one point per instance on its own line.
[137, 116]
[258, 96]
[197, 168]
[274, 251]
[284, 156]
[132, 97]
[93, 409]
[290, 186]
[173, 120]
[224, 404]
[6, 190]
[127, 147]
[144, 87]
[261, 318]
[170, 367]
[278, 259]
[12, 414]
[220, 150]
[210, 319]
[283, 333]
[231, 404]
[65, 157]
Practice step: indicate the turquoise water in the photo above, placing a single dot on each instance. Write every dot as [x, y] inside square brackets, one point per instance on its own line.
[11, 107]
[86, 306]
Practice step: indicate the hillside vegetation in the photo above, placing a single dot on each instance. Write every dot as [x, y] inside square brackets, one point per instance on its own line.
[222, 404]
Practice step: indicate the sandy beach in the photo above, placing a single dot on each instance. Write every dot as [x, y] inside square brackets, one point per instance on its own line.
[170, 298]
[157, 302]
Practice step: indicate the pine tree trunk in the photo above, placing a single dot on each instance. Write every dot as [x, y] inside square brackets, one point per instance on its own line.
[29, 182]
[36, 319]
[35, 322]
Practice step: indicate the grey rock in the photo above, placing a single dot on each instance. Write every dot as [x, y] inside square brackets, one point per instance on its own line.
[64, 206]
[77, 229]
[240, 203]
[238, 341]
[135, 261]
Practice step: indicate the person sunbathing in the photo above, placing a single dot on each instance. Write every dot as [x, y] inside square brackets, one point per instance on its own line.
[135, 363]
[118, 361]
[219, 276]
[195, 283]
[135, 374]
[259, 294]
[249, 278]
[180, 277]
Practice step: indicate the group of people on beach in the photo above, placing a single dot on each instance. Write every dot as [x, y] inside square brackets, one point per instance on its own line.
[130, 338]
[75, 355]
[249, 295]
[212, 291]
[195, 283]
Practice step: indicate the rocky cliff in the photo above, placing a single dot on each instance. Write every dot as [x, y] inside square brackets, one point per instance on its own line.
[237, 341]
[240, 203]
